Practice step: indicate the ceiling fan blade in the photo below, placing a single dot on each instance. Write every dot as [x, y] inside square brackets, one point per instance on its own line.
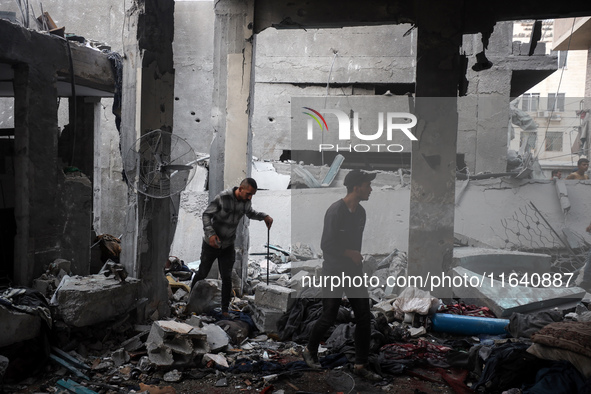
[176, 167]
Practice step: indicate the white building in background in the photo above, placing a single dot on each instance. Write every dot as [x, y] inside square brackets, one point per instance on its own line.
[553, 103]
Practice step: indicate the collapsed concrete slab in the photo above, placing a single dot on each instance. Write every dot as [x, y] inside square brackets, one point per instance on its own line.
[509, 281]
[172, 343]
[498, 261]
[265, 318]
[87, 300]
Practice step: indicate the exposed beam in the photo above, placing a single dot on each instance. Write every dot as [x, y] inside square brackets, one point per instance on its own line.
[476, 16]
[92, 68]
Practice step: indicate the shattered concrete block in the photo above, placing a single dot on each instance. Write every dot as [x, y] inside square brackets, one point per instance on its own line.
[134, 343]
[216, 358]
[161, 356]
[303, 251]
[179, 294]
[273, 296]
[174, 343]
[217, 339]
[265, 318]
[17, 326]
[120, 357]
[194, 321]
[88, 300]
[173, 376]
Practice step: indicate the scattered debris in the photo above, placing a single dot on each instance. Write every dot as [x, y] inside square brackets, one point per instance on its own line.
[264, 334]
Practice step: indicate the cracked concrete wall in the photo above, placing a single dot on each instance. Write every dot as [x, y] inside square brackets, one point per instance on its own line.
[374, 54]
[298, 63]
[193, 62]
[271, 122]
[193, 51]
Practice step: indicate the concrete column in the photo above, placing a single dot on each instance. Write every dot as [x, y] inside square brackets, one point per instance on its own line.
[233, 35]
[76, 148]
[231, 151]
[36, 171]
[431, 223]
[148, 95]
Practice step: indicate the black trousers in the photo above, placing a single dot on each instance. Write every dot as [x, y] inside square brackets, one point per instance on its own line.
[225, 257]
[330, 309]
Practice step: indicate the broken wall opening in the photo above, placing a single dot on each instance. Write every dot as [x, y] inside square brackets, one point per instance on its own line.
[51, 193]
[7, 199]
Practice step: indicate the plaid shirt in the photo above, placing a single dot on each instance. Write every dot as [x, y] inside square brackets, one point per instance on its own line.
[223, 214]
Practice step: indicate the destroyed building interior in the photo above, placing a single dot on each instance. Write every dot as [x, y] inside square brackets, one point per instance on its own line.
[122, 122]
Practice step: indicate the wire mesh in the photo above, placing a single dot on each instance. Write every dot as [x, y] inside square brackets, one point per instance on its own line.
[527, 231]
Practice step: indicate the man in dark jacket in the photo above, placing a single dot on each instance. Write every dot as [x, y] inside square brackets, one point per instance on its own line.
[344, 223]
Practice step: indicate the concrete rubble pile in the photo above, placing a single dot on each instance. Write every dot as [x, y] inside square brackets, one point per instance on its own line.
[98, 346]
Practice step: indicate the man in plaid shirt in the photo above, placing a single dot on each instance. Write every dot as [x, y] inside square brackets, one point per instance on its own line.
[220, 221]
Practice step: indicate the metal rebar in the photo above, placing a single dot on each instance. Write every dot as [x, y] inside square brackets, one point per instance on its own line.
[555, 233]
